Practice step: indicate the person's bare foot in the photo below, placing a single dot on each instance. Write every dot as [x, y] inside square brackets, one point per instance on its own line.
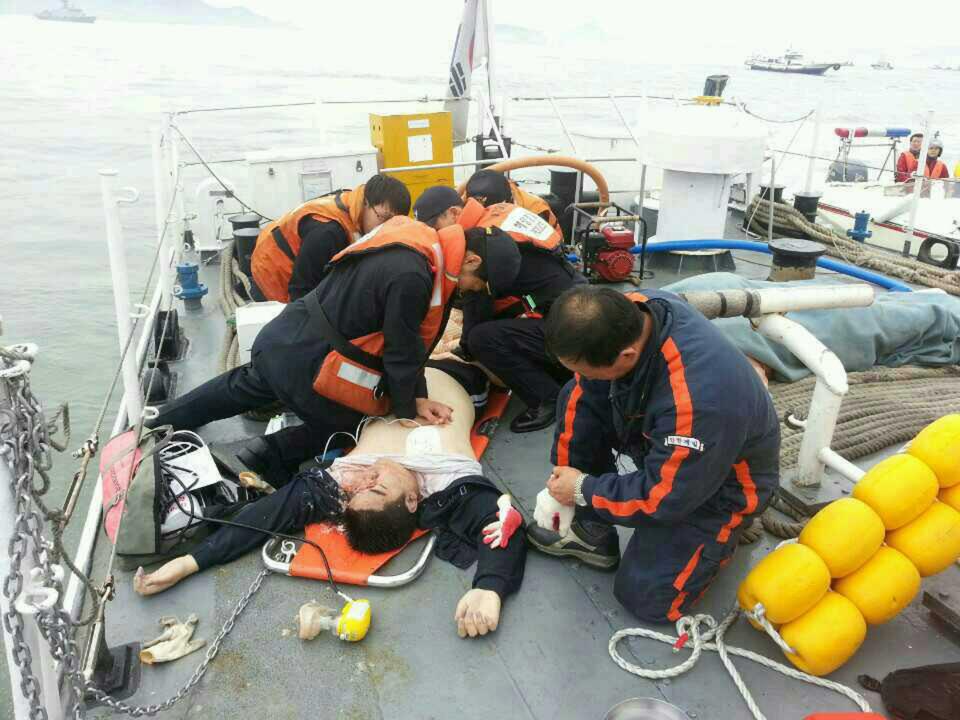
[165, 577]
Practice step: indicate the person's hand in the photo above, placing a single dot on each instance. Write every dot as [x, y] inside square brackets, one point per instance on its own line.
[498, 534]
[432, 412]
[478, 613]
[561, 482]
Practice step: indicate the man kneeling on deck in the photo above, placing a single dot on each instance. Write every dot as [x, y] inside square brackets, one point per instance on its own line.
[400, 476]
[655, 380]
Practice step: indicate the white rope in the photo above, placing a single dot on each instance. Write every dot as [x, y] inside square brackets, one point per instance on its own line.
[758, 615]
[689, 631]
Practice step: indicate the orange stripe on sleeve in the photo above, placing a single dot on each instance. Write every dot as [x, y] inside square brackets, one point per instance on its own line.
[569, 415]
[683, 426]
[681, 580]
[742, 470]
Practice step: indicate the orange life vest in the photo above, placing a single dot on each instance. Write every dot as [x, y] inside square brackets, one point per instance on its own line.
[356, 384]
[937, 171]
[536, 205]
[526, 228]
[279, 241]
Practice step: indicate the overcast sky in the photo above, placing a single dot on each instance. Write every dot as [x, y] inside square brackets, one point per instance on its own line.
[817, 26]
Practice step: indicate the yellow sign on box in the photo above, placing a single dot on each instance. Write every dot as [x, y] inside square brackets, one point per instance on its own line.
[419, 139]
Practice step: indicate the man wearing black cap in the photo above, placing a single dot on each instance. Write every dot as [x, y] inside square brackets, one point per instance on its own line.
[490, 187]
[439, 207]
[506, 293]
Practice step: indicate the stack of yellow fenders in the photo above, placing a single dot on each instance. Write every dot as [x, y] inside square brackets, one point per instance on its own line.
[859, 560]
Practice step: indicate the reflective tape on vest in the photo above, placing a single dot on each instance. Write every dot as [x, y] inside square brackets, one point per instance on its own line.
[358, 375]
[527, 223]
[437, 299]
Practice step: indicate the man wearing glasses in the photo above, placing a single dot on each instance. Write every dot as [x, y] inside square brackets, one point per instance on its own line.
[292, 251]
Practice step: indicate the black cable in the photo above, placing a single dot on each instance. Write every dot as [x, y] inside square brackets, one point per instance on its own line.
[216, 177]
[271, 533]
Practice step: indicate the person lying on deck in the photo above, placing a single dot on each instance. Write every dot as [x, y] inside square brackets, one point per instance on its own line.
[657, 382]
[399, 477]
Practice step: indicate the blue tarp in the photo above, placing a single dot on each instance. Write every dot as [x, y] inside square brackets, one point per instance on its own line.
[919, 328]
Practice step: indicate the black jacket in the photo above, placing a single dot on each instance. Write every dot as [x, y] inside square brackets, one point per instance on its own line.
[385, 291]
[319, 242]
[458, 515]
[541, 278]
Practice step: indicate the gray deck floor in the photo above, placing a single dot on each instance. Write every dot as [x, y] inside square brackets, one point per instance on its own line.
[548, 659]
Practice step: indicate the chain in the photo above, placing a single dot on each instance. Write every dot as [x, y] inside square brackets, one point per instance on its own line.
[141, 710]
[25, 447]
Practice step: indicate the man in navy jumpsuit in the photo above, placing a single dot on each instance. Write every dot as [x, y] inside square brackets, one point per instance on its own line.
[657, 382]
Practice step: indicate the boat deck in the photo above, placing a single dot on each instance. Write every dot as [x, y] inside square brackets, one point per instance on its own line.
[548, 659]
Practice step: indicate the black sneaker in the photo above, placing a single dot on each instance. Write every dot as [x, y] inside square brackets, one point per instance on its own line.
[595, 545]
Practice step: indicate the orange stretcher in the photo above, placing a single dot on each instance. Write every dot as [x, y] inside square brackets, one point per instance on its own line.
[347, 565]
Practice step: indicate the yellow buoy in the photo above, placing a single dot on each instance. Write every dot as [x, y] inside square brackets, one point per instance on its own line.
[938, 445]
[899, 489]
[787, 582]
[951, 496]
[883, 587]
[845, 534]
[826, 636]
[932, 541]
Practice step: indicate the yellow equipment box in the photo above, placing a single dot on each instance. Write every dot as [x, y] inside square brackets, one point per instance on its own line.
[417, 139]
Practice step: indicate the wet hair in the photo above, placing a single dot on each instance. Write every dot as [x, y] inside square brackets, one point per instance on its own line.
[592, 325]
[916, 135]
[385, 189]
[378, 531]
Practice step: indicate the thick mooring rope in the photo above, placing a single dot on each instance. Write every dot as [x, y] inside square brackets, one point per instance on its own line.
[230, 300]
[851, 251]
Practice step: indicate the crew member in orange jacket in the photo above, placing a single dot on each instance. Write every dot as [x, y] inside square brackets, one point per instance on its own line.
[292, 251]
[490, 187]
[907, 163]
[503, 320]
[354, 346]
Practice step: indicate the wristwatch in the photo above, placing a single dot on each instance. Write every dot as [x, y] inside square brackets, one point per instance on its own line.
[578, 498]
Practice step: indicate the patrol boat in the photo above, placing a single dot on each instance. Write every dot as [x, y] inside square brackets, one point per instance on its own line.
[66, 13]
[552, 654]
[791, 61]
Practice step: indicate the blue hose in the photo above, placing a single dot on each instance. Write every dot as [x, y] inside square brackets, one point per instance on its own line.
[827, 264]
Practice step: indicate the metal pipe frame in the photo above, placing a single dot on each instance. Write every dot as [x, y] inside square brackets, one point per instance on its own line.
[381, 581]
[828, 392]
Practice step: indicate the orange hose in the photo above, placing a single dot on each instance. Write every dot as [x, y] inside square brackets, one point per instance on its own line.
[561, 160]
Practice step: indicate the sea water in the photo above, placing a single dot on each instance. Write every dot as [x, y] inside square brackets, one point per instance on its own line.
[77, 99]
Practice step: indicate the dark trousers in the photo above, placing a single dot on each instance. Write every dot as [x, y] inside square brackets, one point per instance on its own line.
[245, 388]
[288, 510]
[513, 349]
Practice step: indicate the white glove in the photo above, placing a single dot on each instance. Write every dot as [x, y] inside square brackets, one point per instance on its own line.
[497, 534]
[551, 515]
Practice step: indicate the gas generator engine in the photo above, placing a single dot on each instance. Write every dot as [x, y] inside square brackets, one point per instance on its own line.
[604, 242]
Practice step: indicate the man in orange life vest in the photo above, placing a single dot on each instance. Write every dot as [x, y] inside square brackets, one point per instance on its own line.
[354, 346]
[291, 252]
[908, 161]
[503, 321]
[490, 187]
[655, 381]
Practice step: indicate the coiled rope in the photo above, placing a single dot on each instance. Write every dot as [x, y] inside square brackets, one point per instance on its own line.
[851, 251]
[230, 299]
[691, 629]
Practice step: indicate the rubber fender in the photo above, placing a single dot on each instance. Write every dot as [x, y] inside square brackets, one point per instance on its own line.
[883, 587]
[845, 534]
[938, 445]
[788, 582]
[899, 489]
[932, 541]
[826, 636]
